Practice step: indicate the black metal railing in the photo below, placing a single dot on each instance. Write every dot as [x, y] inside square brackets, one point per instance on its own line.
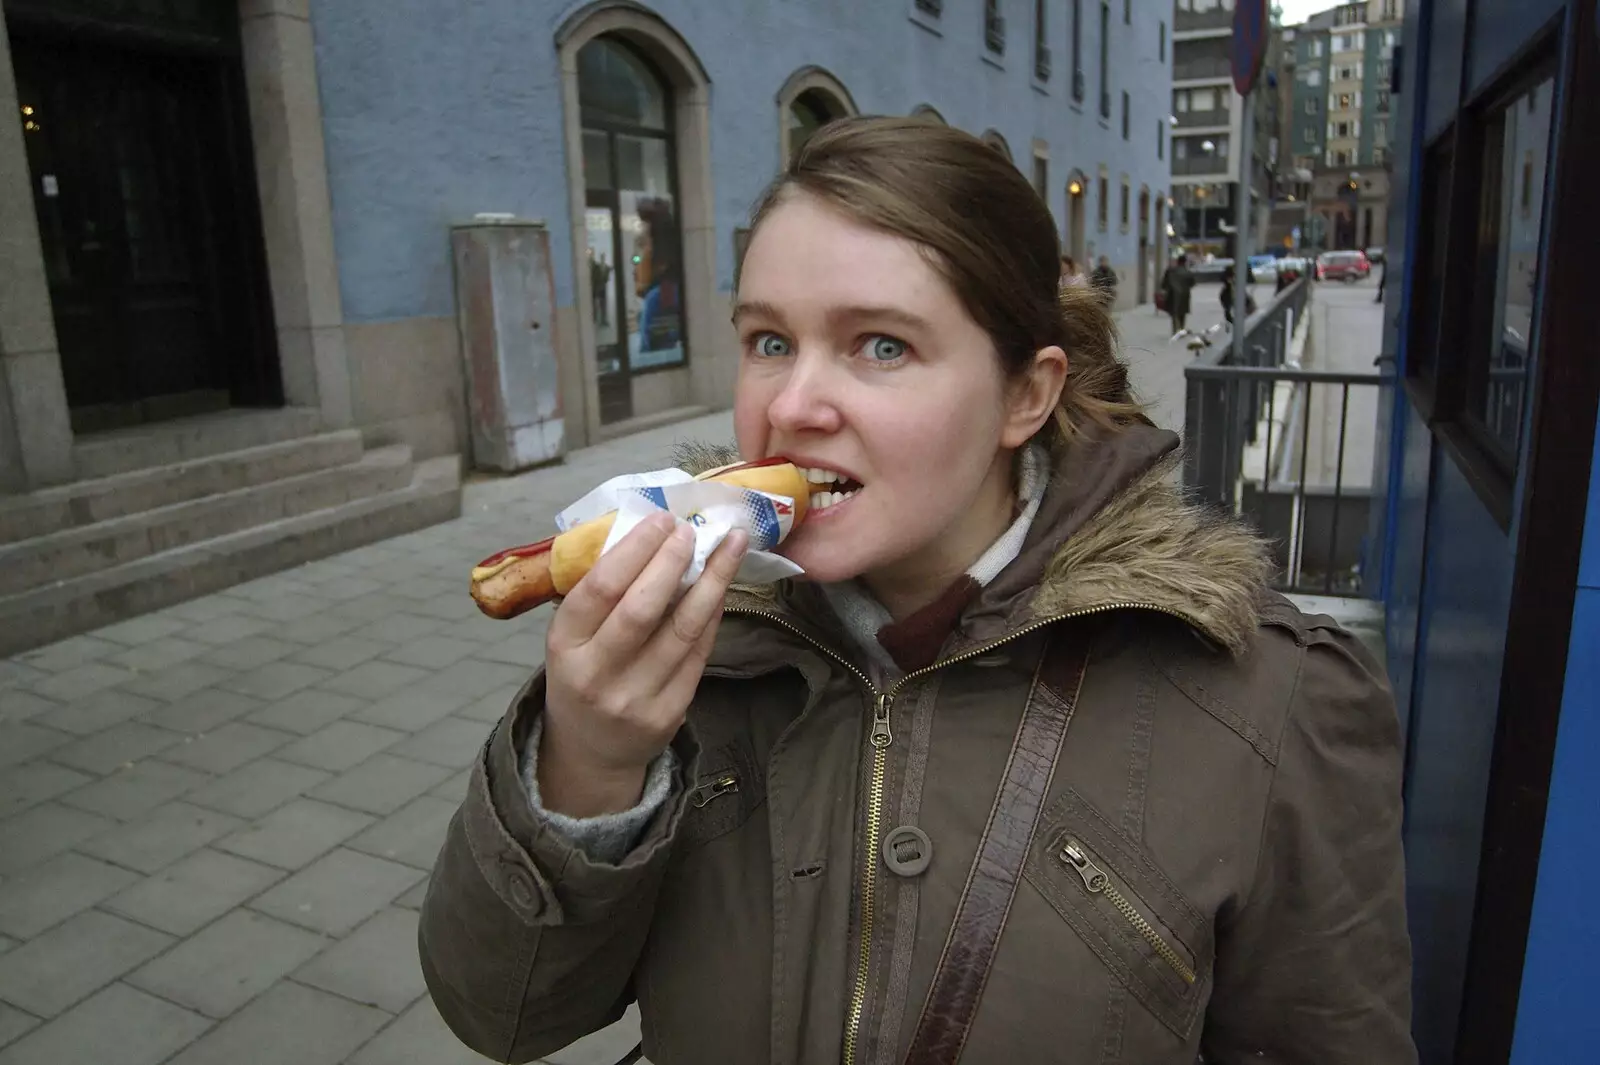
[1273, 443]
[1189, 69]
[1217, 116]
[1218, 18]
[1205, 164]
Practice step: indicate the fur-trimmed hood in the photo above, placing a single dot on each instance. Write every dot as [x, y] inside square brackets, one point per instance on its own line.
[1115, 529]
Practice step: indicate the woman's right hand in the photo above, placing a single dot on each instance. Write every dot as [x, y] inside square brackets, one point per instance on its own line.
[622, 663]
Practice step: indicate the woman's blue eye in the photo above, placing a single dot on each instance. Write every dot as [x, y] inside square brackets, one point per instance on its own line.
[772, 345]
[885, 349]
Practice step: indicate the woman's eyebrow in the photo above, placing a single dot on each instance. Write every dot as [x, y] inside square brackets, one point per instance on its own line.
[836, 316]
[878, 314]
[756, 308]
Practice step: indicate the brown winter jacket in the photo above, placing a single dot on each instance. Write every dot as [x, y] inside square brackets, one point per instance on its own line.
[1232, 766]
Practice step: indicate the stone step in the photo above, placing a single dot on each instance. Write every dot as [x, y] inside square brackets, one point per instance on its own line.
[182, 439]
[81, 604]
[69, 506]
[75, 552]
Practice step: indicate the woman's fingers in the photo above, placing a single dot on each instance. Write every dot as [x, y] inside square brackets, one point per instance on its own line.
[680, 686]
[592, 599]
[642, 608]
[682, 635]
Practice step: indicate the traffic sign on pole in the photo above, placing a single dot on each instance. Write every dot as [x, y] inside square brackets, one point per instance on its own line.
[1249, 46]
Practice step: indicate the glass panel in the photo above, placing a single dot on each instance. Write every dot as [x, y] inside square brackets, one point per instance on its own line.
[1499, 390]
[651, 243]
[614, 85]
[603, 286]
[596, 160]
[807, 114]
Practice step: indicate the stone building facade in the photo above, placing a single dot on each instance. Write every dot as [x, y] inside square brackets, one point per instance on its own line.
[363, 130]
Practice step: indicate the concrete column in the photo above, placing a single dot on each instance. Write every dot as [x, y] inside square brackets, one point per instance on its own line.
[35, 430]
[579, 370]
[296, 212]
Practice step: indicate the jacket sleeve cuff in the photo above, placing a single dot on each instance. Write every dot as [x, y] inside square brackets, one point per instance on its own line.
[539, 869]
[609, 837]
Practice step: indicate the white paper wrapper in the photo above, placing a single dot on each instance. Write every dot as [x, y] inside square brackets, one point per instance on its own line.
[712, 508]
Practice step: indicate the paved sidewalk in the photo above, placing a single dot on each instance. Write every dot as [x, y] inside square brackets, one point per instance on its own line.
[216, 821]
[1156, 361]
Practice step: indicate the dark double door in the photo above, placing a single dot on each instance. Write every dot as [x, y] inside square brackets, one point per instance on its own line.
[145, 198]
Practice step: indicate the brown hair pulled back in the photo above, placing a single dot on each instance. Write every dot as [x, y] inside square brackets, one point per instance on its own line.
[990, 236]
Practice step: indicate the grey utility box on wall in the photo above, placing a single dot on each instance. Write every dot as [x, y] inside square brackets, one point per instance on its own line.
[505, 300]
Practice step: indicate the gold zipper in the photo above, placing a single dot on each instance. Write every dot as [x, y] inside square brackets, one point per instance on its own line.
[881, 738]
[725, 784]
[1098, 883]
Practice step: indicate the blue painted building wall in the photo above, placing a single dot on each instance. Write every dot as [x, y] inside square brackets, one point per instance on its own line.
[1447, 580]
[1556, 1019]
[437, 109]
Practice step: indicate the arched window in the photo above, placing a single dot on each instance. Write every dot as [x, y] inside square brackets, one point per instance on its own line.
[635, 258]
[926, 112]
[809, 113]
[809, 100]
[1076, 216]
[994, 140]
[636, 101]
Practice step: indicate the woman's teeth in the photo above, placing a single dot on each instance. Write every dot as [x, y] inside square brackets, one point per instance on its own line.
[824, 500]
[828, 498]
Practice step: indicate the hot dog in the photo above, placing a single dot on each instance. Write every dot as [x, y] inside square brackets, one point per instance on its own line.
[518, 579]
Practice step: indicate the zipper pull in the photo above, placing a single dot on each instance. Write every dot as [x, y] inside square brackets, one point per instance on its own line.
[881, 736]
[1093, 879]
[723, 785]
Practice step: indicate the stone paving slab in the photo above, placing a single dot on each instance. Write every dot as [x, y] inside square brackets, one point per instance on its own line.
[226, 965]
[252, 785]
[56, 970]
[120, 1024]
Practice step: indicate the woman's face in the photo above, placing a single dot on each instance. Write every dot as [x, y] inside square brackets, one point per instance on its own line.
[858, 359]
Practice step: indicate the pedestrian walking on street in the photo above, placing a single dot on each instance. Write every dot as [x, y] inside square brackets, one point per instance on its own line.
[1070, 275]
[1104, 279]
[1176, 285]
[1031, 762]
[1226, 295]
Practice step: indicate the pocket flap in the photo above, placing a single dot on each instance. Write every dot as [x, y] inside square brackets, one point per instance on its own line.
[1125, 909]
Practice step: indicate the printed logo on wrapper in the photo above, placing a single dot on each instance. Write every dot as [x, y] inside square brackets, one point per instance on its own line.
[713, 509]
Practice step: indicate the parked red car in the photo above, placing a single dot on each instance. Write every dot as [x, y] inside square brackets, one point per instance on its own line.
[1343, 266]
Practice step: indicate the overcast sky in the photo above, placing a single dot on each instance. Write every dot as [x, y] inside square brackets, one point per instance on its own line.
[1297, 11]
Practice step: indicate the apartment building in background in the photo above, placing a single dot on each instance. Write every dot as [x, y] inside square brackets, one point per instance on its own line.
[1207, 124]
[1341, 125]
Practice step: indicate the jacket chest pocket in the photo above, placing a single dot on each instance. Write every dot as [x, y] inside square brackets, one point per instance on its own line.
[1126, 911]
[729, 787]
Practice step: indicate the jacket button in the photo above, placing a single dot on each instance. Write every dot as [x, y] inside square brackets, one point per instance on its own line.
[522, 889]
[907, 851]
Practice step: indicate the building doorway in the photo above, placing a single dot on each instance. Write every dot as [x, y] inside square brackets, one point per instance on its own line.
[634, 237]
[139, 159]
[1077, 190]
[1144, 245]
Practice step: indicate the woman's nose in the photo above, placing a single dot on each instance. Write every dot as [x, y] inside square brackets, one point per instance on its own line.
[807, 400]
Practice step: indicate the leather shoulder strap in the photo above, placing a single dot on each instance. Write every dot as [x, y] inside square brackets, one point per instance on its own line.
[996, 869]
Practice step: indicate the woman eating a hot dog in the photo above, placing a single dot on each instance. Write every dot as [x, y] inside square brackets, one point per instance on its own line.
[1030, 765]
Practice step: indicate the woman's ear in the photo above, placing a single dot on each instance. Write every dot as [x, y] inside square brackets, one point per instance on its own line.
[1034, 396]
